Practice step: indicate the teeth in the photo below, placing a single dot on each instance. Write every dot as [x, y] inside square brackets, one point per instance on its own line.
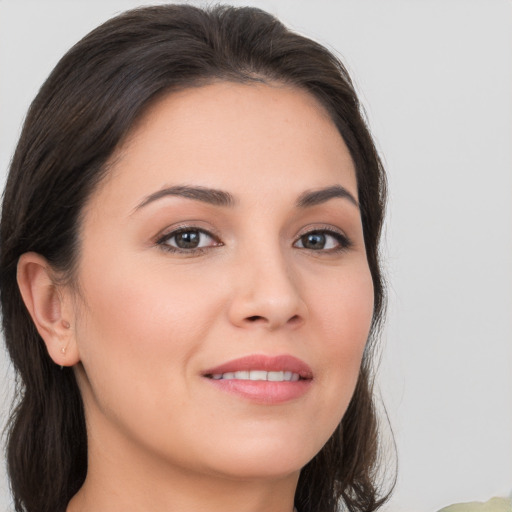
[275, 376]
[258, 375]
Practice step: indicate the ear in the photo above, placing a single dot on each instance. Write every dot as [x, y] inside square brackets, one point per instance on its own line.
[51, 307]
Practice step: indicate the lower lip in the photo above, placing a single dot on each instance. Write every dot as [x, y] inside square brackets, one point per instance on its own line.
[263, 391]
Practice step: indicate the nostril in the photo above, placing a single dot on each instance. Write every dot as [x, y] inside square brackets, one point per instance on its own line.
[295, 319]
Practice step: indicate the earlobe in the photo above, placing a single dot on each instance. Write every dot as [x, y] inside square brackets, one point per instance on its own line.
[49, 306]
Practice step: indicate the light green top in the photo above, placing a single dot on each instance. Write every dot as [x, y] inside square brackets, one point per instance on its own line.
[493, 505]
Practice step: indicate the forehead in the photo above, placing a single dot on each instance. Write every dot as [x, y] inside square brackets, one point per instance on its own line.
[245, 138]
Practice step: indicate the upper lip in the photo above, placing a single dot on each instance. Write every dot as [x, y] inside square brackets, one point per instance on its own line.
[278, 363]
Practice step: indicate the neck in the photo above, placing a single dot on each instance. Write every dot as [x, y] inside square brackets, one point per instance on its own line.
[183, 495]
[128, 479]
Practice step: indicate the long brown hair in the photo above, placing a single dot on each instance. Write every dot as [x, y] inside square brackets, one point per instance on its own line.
[82, 112]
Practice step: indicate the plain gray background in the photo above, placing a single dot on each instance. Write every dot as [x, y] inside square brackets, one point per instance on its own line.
[436, 79]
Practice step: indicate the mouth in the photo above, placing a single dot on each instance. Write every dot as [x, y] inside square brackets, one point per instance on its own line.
[256, 367]
[255, 375]
[262, 379]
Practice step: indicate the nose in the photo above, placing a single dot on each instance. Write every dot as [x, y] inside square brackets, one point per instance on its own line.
[266, 294]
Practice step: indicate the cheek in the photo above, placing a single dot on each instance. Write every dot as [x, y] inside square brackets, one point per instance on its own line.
[140, 329]
[344, 307]
[343, 311]
[139, 307]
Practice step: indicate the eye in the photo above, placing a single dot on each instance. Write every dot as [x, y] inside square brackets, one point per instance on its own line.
[188, 240]
[323, 240]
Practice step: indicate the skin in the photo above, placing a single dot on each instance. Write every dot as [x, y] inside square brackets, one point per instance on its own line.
[145, 322]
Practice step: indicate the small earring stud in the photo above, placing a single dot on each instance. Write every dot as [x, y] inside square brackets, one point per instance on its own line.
[63, 352]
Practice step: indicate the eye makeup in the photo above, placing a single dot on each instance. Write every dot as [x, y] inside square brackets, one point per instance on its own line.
[324, 240]
[188, 240]
[193, 240]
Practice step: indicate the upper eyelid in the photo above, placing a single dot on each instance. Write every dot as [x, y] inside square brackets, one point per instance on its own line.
[169, 232]
[322, 228]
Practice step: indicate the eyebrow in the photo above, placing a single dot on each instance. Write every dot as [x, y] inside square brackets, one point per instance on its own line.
[217, 197]
[316, 197]
[204, 194]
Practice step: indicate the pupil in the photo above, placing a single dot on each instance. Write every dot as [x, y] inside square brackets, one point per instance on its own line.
[314, 241]
[187, 240]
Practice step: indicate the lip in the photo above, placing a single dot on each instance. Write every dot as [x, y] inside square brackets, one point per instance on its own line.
[263, 392]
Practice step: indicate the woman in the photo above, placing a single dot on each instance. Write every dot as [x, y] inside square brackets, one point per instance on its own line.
[190, 277]
[190, 273]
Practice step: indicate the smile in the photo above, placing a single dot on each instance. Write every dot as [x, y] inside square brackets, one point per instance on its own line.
[262, 379]
[280, 368]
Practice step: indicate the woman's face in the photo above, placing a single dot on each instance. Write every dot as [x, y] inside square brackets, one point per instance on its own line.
[224, 246]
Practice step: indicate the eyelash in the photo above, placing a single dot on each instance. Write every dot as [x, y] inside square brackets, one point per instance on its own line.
[344, 243]
[196, 251]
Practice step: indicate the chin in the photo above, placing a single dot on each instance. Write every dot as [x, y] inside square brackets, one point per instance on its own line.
[246, 468]
[264, 458]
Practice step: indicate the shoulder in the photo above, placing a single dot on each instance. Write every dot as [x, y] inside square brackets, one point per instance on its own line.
[493, 505]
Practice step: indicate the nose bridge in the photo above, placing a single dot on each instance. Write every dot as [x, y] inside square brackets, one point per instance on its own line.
[267, 290]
